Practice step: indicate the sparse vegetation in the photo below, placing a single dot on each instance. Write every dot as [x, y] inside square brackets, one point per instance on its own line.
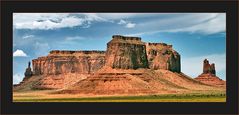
[192, 97]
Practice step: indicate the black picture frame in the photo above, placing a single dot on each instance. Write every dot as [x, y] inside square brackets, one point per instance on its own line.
[228, 107]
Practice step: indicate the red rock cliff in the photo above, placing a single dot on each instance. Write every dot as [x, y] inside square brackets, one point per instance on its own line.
[162, 56]
[122, 53]
[208, 68]
[209, 75]
[59, 62]
[126, 53]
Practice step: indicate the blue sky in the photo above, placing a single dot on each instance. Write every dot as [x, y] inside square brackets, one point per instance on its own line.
[195, 36]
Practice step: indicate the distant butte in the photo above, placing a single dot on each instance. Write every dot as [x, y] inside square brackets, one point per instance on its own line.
[209, 75]
[128, 66]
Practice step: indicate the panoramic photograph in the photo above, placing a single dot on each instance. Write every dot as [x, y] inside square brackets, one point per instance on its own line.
[119, 57]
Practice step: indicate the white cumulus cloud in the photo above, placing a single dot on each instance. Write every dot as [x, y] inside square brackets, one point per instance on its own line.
[130, 25]
[19, 53]
[205, 23]
[127, 24]
[50, 24]
[47, 21]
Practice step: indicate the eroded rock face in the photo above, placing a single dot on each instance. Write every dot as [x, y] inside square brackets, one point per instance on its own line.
[209, 75]
[60, 62]
[208, 68]
[28, 73]
[122, 54]
[135, 82]
[126, 53]
[211, 79]
[162, 56]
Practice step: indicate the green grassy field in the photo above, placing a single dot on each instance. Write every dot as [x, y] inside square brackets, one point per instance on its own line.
[219, 97]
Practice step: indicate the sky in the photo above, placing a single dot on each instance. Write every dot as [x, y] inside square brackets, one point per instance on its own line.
[195, 36]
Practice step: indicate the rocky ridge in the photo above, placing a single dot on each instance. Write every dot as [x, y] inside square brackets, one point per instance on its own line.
[122, 53]
[162, 56]
[126, 53]
[61, 62]
[128, 66]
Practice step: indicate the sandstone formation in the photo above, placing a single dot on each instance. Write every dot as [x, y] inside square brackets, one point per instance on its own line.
[122, 53]
[135, 82]
[128, 66]
[208, 68]
[28, 73]
[162, 56]
[126, 53]
[209, 75]
[61, 62]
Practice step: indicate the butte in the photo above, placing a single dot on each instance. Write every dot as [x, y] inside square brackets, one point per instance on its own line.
[129, 66]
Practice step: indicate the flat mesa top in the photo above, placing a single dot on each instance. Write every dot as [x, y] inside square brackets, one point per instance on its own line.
[76, 53]
[159, 46]
[126, 39]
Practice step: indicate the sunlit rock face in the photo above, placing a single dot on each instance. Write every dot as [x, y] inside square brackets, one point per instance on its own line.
[60, 62]
[122, 53]
[162, 56]
[126, 53]
[127, 56]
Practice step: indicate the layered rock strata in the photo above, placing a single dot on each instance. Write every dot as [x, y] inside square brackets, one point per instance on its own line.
[209, 75]
[127, 61]
[61, 62]
[122, 53]
[162, 56]
[126, 53]
[135, 82]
